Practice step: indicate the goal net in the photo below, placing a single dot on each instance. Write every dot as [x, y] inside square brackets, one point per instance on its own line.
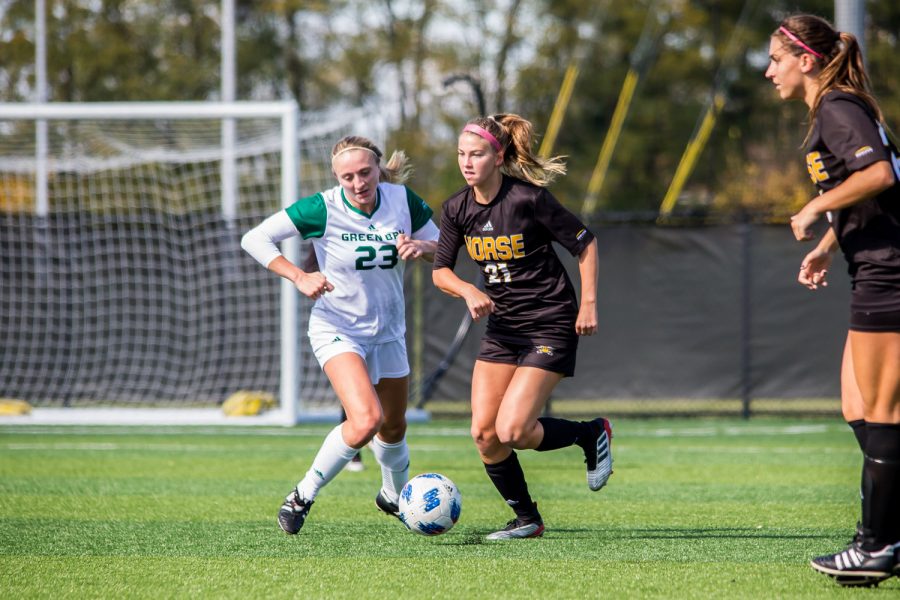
[122, 280]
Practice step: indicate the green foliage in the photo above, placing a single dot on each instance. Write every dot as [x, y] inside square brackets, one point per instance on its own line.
[397, 53]
[696, 508]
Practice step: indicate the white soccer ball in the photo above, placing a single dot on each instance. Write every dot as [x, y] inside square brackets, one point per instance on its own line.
[430, 504]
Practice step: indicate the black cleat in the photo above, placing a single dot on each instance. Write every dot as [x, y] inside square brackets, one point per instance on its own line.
[293, 513]
[387, 507]
[857, 567]
[598, 453]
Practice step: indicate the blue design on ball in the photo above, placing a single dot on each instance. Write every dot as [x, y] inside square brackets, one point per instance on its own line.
[406, 492]
[431, 476]
[455, 509]
[432, 499]
[431, 528]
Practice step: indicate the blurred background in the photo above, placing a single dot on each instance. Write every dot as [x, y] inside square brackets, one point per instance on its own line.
[681, 158]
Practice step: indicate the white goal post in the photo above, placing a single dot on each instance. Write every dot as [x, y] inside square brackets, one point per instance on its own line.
[122, 282]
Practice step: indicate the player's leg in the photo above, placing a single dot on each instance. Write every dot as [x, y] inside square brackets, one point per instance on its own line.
[853, 410]
[349, 377]
[389, 445]
[877, 366]
[851, 398]
[876, 363]
[489, 382]
[542, 367]
[356, 463]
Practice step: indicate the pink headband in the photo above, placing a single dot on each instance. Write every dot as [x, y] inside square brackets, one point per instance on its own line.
[799, 42]
[483, 133]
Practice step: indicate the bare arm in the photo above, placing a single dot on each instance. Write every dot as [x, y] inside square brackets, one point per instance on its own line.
[586, 323]
[409, 248]
[860, 186]
[814, 267]
[478, 303]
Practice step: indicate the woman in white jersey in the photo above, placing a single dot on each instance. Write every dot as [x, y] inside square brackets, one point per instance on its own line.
[362, 230]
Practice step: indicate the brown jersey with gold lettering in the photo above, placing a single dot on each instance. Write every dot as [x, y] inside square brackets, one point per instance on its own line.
[511, 241]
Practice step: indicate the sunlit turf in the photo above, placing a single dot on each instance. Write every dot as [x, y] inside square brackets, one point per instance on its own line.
[696, 508]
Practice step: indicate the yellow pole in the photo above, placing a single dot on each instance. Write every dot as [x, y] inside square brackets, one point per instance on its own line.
[559, 110]
[609, 142]
[691, 153]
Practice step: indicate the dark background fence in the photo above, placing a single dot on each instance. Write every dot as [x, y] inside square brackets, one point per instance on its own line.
[699, 319]
[693, 319]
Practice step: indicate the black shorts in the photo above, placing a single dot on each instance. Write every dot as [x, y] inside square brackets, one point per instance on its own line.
[875, 306]
[554, 356]
[874, 321]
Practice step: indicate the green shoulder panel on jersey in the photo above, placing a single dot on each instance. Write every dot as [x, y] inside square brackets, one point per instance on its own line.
[309, 216]
[419, 212]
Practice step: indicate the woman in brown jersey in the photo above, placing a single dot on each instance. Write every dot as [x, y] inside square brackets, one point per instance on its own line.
[856, 170]
[507, 219]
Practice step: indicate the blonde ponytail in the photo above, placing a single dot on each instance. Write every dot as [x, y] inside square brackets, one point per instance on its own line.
[838, 56]
[516, 138]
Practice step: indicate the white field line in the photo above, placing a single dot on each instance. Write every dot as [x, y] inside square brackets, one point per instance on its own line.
[414, 431]
[162, 447]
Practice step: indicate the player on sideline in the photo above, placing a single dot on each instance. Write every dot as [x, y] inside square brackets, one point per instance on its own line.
[507, 220]
[856, 170]
[362, 231]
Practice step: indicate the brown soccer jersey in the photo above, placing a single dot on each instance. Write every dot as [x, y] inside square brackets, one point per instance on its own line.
[511, 241]
[847, 138]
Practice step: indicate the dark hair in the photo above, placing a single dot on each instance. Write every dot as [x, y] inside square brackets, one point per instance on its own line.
[841, 61]
[397, 169]
[516, 136]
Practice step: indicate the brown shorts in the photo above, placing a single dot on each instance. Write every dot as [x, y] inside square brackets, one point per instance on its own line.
[875, 306]
[554, 356]
[874, 321]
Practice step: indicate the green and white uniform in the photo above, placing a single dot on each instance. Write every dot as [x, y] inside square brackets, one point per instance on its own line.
[357, 253]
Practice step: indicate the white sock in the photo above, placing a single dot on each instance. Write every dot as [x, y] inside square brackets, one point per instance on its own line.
[331, 458]
[394, 461]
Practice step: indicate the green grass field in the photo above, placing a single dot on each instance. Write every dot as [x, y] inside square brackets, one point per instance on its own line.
[695, 509]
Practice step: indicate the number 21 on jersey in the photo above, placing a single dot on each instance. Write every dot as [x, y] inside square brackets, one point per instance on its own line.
[497, 273]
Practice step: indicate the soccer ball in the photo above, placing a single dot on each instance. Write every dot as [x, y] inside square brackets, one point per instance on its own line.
[430, 504]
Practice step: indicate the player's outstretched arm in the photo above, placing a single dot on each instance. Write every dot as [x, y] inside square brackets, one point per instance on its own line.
[409, 249]
[586, 323]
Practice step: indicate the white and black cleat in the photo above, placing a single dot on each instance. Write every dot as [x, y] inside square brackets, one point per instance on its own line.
[855, 567]
[598, 454]
[293, 513]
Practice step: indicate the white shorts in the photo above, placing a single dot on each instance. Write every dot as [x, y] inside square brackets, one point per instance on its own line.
[386, 360]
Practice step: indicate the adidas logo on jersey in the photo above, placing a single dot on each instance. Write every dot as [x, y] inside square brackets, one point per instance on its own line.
[337, 338]
[487, 227]
[371, 227]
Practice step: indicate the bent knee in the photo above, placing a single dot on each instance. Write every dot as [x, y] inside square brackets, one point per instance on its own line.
[514, 437]
[360, 430]
[484, 437]
[392, 431]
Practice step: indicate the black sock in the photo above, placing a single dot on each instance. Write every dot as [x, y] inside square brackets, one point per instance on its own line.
[561, 433]
[881, 484]
[509, 479]
[859, 430]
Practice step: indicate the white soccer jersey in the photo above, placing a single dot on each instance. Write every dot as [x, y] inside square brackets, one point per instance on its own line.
[357, 252]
